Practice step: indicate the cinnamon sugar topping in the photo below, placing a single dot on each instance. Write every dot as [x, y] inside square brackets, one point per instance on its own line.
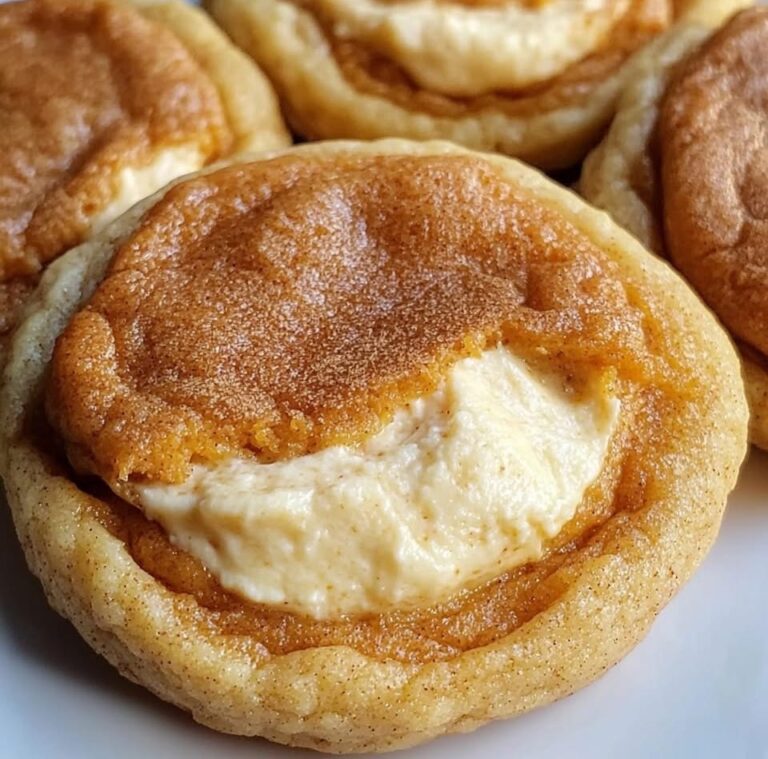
[283, 306]
[86, 87]
[713, 129]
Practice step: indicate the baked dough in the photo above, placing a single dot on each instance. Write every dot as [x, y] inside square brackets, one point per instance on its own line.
[373, 69]
[246, 93]
[622, 174]
[210, 101]
[345, 694]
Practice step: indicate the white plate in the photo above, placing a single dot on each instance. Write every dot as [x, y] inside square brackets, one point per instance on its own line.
[696, 687]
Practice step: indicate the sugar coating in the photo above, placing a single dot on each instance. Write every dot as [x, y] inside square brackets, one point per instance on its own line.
[714, 172]
[279, 307]
[88, 88]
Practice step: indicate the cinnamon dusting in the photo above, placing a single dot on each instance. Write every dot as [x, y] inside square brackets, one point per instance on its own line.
[713, 129]
[86, 88]
[275, 308]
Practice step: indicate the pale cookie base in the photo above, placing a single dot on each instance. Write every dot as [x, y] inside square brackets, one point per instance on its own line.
[334, 698]
[756, 382]
[288, 43]
[608, 178]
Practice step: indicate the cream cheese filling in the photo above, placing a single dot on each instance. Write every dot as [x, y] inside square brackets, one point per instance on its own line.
[462, 51]
[460, 486]
[133, 183]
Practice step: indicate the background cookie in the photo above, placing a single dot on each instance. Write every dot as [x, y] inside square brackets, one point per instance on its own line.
[102, 104]
[707, 156]
[535, 81]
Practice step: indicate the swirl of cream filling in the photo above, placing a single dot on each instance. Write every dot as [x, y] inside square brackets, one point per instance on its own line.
[463, 51]
[460, 486]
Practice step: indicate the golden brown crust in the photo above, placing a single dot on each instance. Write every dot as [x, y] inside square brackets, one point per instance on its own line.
[714, 173]
[324, 98]
[13, 295]
[461, 261]
[609, 176]
[335, 698]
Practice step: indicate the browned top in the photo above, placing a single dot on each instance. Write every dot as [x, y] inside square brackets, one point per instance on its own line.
[370, 72]
[86, 87]
[713, 131]
[13, 295]
[337, 288]
[281, 306]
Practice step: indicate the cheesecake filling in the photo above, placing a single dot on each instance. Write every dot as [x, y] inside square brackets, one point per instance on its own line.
[464, 50]
[462, 485]
[133, 183]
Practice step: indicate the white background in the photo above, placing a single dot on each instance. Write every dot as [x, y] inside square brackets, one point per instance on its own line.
[696, 687]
